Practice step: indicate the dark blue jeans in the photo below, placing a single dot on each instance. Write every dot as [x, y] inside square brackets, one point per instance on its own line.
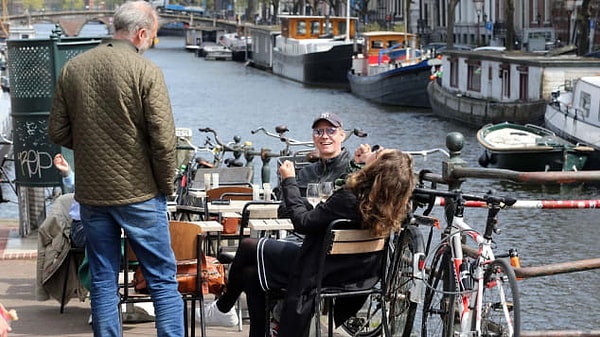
[147, 229]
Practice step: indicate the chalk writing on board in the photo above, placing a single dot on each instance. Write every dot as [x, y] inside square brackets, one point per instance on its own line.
[33, 151]
[32, 163]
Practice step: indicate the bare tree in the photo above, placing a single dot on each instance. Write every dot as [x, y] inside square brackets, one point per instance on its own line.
[450, 29]
[582, 25]
[510, 25]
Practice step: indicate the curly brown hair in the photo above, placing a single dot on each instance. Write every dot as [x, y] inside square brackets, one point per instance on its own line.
[383, 189]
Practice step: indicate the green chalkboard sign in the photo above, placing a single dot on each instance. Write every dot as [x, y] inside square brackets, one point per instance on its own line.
[33, 151]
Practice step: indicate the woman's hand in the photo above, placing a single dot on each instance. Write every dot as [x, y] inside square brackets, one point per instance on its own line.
[61, 164]
[360, 154]
[287, 169]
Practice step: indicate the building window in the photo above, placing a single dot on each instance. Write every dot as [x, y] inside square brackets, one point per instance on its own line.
[505, 77]
[454, 73]
[474, 77]
[523, 86]
[585, 101]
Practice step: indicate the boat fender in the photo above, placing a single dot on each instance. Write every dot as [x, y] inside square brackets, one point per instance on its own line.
[484, 159]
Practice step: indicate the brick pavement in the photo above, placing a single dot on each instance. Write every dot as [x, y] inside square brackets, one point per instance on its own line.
[43, 318]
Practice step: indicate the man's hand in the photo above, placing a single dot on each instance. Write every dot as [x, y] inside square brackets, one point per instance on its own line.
[287, 169]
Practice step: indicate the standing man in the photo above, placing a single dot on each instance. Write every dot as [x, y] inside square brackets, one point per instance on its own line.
[112, 107]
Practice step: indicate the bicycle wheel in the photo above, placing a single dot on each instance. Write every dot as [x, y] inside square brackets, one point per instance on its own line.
[500, 309]
[400, 303]
[368, 320]
[438, 304]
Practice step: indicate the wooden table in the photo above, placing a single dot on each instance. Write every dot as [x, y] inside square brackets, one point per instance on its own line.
[209, 228]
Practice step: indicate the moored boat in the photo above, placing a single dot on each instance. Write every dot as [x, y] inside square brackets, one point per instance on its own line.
[391, 70]
[529, 148]
[574, 115]
[491, 86]
[574, 112]
[198, 37]
[239, 43]
[315, 50]
[263, 42]
[217, 53]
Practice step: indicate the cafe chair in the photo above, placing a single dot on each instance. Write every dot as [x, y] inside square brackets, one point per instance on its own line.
[343, 243]
[342, 248]
[229, 221]
[227, 176]
[251, 210]
[186, 242]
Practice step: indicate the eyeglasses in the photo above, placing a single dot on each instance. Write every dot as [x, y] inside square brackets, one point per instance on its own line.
[320, 132]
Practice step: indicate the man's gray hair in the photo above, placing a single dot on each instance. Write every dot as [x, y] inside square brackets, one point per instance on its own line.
[133, 15]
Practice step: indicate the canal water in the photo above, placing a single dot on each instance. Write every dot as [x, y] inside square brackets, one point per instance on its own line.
[235, 99]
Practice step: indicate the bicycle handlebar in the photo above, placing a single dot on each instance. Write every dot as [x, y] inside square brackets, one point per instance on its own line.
[425, 153]
[460, 197]
[4, 140]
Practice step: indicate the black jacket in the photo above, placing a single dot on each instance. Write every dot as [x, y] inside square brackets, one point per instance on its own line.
[299, 303]
[328, 170]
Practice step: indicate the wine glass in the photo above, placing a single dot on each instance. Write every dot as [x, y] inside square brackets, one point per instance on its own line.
[312, 194]
[325, 190]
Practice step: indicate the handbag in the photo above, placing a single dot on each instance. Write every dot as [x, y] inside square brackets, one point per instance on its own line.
[213, 276]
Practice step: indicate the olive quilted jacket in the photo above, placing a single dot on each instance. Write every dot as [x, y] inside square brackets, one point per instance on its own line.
[112, 107]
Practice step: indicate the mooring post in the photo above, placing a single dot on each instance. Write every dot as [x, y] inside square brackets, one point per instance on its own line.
[455, 141]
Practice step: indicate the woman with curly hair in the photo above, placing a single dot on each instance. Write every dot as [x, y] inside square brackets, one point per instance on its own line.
[375, 198]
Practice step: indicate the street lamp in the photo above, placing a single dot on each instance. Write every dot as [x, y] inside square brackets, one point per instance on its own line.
[570, 4]
[478, 8]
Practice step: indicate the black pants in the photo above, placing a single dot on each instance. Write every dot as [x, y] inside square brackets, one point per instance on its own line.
[243, 276]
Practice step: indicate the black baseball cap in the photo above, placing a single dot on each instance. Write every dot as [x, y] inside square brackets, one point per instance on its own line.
[332, 118]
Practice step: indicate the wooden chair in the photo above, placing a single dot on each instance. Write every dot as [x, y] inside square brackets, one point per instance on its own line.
[340, 241]
[236, 192]
[186, 242]
[227, 176]
[251, 210]
[230, 222]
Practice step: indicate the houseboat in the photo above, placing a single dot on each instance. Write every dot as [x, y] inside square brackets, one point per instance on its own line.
[493, 86]
[574, 114]
[197, 37]
[263, 42]
[391, 70]
[315, 50]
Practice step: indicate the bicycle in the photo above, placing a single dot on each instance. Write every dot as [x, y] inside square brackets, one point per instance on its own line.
[186, 173]
[218, 149]
[473, 294]
[4, 177]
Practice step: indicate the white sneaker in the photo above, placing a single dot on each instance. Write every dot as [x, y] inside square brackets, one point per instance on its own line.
[90, 320]
[214, 317]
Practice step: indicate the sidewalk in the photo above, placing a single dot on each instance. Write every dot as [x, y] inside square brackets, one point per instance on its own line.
[17, 291]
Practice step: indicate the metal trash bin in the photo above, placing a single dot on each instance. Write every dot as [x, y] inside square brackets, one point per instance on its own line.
[33, 67]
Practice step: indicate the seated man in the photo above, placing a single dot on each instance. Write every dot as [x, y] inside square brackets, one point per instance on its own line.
[334, 160]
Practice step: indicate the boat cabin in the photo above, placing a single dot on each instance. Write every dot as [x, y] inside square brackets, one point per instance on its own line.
[316, 27]
[383, 47]
[586, 99]
[198, 36]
